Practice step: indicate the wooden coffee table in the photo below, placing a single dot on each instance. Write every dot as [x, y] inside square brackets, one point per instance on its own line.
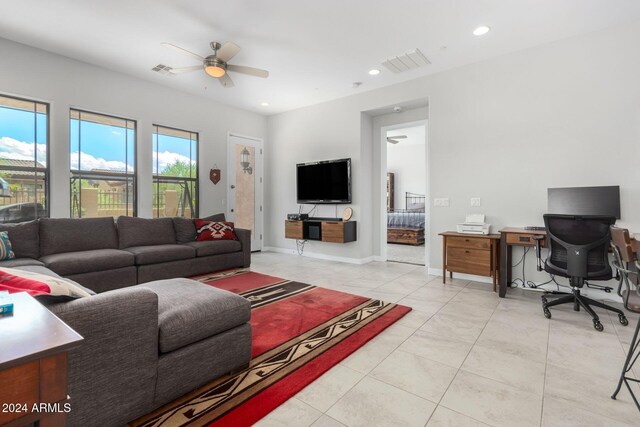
[33, 364]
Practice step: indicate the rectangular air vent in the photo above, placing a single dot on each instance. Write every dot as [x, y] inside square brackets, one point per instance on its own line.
[163, 69]
[406, 62]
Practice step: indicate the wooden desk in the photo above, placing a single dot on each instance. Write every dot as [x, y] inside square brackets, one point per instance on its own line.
[33, 364]
[470, 253]
[510, 237]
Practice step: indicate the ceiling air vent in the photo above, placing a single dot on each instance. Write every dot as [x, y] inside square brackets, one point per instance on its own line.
[163, 69]
[406, 62]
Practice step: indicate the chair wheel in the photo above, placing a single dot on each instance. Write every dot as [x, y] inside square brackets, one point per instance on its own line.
[598, 326]
[547, 313]
[544, 300]
[623, 319]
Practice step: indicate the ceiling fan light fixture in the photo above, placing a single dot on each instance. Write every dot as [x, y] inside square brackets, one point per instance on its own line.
[214, 67]
[214, 71]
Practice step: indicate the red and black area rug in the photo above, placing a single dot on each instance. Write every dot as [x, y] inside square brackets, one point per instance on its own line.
[300, 331]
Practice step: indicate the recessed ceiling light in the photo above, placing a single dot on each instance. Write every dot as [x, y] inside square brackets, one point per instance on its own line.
[481, 30]
[264, 104]
[374, 72]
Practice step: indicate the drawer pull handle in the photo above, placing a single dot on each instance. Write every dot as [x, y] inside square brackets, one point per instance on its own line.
[466, 252]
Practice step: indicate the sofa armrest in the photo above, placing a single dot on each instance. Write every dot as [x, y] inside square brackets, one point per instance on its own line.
[245, 240]
[117, 362]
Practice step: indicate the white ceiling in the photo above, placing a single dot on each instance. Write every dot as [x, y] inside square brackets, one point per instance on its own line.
[314, 50]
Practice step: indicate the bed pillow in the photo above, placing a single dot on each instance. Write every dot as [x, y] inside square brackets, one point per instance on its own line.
[5, 247]
[36, 284]
[215, 230]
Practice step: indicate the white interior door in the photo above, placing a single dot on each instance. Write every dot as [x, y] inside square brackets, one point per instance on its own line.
[244, 164]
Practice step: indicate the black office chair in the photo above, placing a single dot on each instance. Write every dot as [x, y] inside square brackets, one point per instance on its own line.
[626, 262]
[578, 249]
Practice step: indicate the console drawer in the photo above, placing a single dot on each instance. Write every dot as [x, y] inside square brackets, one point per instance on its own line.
[333, 231]
[468, 242]
[293, 230]
[471, 261]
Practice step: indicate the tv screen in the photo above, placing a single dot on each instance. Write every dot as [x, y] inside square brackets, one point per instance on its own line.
[324, 182]
[584, 201]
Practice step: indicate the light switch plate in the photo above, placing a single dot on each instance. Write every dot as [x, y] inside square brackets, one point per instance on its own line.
[441, 202]
[475, 201]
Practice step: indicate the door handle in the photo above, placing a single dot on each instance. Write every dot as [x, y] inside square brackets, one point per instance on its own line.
[233, 186]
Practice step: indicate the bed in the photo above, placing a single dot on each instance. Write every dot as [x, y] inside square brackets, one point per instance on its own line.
[406, 226]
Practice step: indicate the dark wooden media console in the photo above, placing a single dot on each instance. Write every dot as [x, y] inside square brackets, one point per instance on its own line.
[322, 229]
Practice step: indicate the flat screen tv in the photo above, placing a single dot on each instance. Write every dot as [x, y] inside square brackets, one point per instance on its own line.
[326, 182]
[584, 201]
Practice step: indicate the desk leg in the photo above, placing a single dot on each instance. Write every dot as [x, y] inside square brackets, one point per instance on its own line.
[505, 266]
[444, 259]
[494, 263]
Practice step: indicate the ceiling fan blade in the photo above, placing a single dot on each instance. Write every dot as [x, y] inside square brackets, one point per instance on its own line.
[185, 69]
[183, 51]
[227, 51]
[398, 136]
[392, 141]
[226, 81]
[248, 70]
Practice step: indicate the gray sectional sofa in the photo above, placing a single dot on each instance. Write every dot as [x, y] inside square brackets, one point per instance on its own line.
[150, 334]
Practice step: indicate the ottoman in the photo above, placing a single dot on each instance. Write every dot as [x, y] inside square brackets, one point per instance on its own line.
[203, 333]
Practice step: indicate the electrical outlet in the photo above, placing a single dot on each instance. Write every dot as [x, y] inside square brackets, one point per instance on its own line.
[475, 201]
[442, 202]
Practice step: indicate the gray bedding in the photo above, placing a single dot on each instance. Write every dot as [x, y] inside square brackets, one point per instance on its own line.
[406, 219]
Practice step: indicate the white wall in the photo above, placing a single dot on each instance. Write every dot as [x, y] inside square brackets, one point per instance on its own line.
[506, 129]
[406, 160]
[35, 74]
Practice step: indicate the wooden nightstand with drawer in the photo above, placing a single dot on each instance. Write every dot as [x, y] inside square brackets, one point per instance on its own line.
[476, 254]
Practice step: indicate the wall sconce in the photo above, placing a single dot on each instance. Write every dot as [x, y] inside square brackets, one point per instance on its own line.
[244, 161]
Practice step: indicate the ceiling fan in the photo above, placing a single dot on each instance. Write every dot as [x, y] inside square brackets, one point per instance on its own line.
[217, 65]
[394, 139]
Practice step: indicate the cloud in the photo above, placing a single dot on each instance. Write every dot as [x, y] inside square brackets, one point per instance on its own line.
[89, 162]
[17, 150]
[13, 149]
[166, 158]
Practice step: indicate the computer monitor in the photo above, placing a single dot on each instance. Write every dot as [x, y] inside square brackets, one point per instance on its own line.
[584, 201]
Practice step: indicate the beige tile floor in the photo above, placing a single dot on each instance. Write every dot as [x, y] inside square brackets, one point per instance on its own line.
[406, 253]
[462, 357]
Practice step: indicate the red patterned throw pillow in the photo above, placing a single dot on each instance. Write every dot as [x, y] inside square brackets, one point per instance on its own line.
[36, 284]
[213, 230]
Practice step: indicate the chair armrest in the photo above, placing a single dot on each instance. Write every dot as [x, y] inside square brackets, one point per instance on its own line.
[245, 240]
[119, 353]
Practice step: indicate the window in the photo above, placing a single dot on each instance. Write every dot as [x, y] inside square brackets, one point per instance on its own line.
[175, 172]
[103, 177]
[24, 171]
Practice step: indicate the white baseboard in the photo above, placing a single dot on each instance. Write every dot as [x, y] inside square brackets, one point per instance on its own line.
[320, 256]
[463, 276]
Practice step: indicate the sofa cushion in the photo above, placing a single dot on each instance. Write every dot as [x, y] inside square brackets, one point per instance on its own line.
[145, 231]
[85, 261]
[215, 247]
[6, 252]
[189, 311]
[20, 262]
[161, 253]
[25, 240]
[36, 284]
[185, 230]
[209, 230]
[62, 235]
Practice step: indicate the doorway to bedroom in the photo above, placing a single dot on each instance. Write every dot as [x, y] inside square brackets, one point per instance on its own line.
[406, 182]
